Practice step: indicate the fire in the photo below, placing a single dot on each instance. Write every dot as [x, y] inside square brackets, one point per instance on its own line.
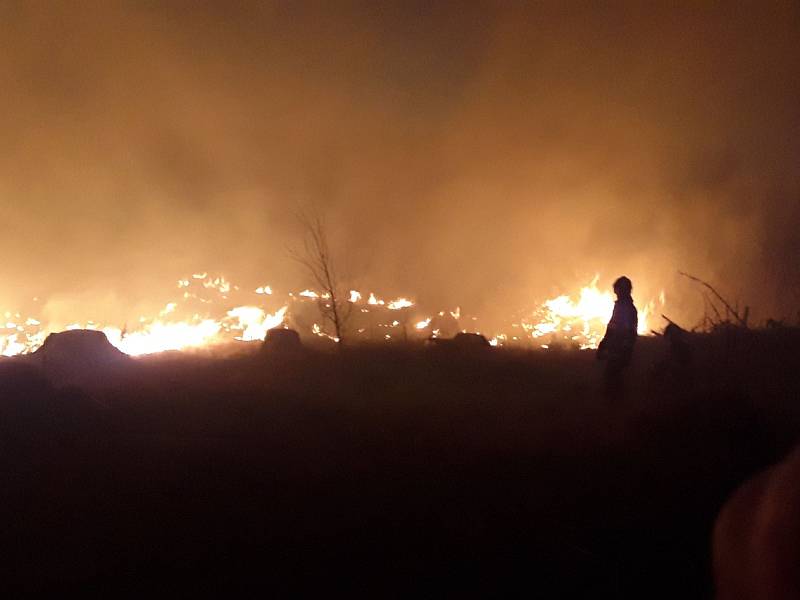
[400, 303]
[317, 330]
[423, 324]
[193, 321]
[10, 345]
[160, 337]
[580, 321]
[205, 315]
[254, 322]
[251, 322]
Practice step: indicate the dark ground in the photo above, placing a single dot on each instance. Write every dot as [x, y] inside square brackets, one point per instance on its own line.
[387, 472]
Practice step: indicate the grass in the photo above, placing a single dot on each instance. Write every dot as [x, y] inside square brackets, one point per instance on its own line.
[388, 471]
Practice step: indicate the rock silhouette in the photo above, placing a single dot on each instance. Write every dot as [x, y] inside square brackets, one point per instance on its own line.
[280, 339]
[462, 342]
[73, 356]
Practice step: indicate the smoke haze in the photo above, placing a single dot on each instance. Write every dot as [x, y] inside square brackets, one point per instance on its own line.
[481, 154]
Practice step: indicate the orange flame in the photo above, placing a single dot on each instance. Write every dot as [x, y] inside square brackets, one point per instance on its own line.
[575, 320]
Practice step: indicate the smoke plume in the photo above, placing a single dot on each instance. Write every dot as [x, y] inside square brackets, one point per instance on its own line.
[480, 155]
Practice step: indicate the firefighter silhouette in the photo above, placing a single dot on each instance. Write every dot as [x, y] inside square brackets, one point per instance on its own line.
[616, 347]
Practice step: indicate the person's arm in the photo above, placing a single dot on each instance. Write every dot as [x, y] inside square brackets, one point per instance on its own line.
[602, 347]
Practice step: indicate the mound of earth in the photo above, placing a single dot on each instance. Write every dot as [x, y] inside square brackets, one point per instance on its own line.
[72, 356]
[470, 340]
[282, 340]
[462, 341]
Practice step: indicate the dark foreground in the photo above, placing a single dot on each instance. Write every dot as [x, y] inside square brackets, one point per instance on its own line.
[386, 472]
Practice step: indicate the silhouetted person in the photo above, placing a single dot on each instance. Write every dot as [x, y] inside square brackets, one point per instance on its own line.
[616, 347]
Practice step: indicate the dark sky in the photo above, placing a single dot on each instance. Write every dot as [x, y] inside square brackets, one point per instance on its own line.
[482, 154]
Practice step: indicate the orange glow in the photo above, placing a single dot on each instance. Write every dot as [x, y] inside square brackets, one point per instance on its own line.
[581, 321]
[578, 320]
[423, 324]
[399, 303]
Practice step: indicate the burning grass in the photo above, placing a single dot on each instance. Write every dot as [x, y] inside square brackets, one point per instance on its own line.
[210, 311]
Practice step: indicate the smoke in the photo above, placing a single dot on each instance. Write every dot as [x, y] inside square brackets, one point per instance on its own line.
[483, 156]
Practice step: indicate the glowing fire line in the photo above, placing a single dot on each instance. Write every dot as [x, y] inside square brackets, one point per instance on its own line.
[576, 321]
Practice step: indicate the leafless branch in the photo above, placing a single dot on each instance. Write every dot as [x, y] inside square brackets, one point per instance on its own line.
[718, 296]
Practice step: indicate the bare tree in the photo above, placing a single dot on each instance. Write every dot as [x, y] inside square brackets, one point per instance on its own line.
[319, 263]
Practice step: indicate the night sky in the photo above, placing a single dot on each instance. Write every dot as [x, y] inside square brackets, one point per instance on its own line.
[480, 154]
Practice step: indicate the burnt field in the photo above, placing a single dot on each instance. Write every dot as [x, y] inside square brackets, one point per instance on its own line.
[386, 471]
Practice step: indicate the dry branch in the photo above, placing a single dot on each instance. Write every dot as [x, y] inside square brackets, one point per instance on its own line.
[718, 296]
